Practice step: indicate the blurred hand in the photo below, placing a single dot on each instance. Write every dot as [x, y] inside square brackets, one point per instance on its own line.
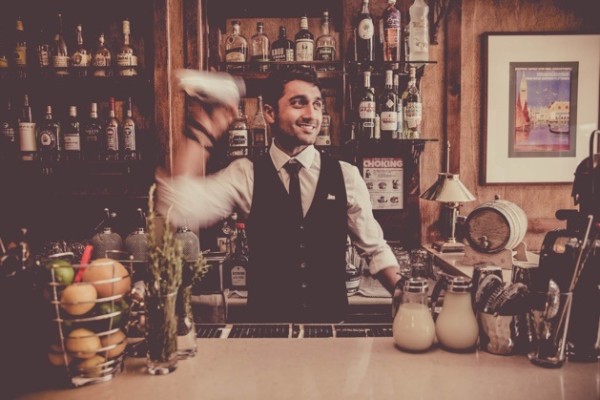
[216, 119]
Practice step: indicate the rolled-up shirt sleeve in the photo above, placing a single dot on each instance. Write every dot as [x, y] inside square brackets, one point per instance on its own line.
[365, 231]
[200, 202]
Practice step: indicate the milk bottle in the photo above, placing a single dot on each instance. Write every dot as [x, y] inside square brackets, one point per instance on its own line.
[413, 326]
[456, 327]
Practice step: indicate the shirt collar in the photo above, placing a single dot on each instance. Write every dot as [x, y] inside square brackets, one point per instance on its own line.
[305, 157]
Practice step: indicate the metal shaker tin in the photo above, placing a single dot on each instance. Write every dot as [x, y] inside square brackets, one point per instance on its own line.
[480, 271]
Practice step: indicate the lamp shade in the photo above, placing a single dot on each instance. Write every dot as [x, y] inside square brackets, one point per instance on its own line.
[448, 189]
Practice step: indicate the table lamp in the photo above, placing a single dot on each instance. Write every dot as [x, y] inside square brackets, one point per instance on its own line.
[448, 189]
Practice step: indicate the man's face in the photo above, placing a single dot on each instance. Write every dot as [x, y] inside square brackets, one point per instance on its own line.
[297, 120]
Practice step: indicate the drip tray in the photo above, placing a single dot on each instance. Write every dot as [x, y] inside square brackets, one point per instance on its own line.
[294, 331]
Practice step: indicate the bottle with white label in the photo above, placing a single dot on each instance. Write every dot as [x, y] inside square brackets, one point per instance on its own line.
[324, 136]
[112, 133]
[365, 33]
[102, 59]
[418, 28]
[72, 136]
[238, 134]
[366, 109]
[236, 49]
[60, 55]
[126, 57]
[235, 265]
[413, 327]
[387, 103]
[412, 107]
[399, 113]
[27, 136]
[129, 135]
[305, 42]
[81, 57]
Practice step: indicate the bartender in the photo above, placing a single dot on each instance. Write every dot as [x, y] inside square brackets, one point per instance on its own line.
[299, 205]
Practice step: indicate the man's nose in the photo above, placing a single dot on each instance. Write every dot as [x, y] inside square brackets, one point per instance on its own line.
[311, 112]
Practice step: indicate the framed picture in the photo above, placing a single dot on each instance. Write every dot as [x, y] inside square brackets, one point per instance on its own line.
[540, 105]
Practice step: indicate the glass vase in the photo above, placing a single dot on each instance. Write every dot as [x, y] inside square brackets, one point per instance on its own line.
[161, 333]
[186, 330]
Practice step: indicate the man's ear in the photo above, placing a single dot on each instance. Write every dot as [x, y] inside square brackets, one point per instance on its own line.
[269, 113]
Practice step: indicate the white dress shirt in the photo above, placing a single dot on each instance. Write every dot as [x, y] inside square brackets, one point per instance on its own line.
[202, 202]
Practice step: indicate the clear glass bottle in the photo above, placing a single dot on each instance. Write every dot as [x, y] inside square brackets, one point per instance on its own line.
[260, 48]
[92, 135]
[20, 50]
[129, 134]
[304, 42]
[112, 133]
[399, 113]
[102, 59]
[126, 57]
[71, 136]
[365, 33]
[283, 48]
[259, 130]
[388, 111]
[324, 136]
[326, 45]
[48, 137]
[27, 134]
[413, 327]
[236, 49]
[235, 265]
[391, 32]
[418, 28]
[60, 55]
[238, 134]
[412, 108]
[367, 109]
[8, 132]
[81, 57]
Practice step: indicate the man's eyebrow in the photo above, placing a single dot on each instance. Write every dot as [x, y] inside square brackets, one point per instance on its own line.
[303, 97]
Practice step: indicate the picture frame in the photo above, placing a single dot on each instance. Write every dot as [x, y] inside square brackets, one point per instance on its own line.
[540, 104]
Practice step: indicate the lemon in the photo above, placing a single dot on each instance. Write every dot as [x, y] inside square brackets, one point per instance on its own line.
[78, 299]
[63, 271]
[91, 367]
[57, 357]
[102, 270]
[82, 343]
[116, 341]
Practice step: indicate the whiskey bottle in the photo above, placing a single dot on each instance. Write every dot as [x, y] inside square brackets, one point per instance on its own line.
[102, 59]
[304, 43]
[92, 135]
[418, 28]
[325, 44]
[388, 111]
[324, 136]
[20, 53]
[236, 49]
[412, 108]
[126, 58]
[259, 130]
[72, 136]
[27, 142]
[238, 134]
[43, 53]
[391, 32]
[400, 114]
[260, 48]
[111, 133]
[48, 137]
[60, 55]
[8, 132]
[283, 48]
[4, 57]
[129, 135]
[80, 59]
[366, 109]
[365, 32]
[235, 265]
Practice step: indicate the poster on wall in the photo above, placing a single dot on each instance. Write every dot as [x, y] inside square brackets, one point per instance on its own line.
[383, 176]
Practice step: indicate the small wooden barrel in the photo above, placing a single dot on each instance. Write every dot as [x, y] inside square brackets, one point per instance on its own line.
[495, 225]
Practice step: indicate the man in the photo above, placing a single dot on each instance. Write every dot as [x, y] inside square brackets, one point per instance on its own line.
[297, 258]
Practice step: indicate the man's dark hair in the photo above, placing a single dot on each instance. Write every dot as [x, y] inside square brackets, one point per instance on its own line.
[273, 89]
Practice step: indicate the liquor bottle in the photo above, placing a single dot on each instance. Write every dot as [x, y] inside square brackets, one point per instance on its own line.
[126, 57]
[388, 110]
[102, 59]
[391, 32]
[27, 142]
[4, 57]
[236, 49]
[404, 68]
[259, 130]
[71, 134]
[365, 32]
[111, 132]
[400, 114]
[283, 48]
[129, 135]
[48, 137]
[92, 135]
[260, 48]
[60, 55]
[235, 265]
[325, 44]
[238, 134]
[8, 132]
[418, 28]
[20, 53]
[324, 136]
[366, 109]
[304, 42]
[81, 58]
[412, 108]
[43, 53]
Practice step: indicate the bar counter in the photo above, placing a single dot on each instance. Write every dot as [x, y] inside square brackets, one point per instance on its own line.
[340, 368]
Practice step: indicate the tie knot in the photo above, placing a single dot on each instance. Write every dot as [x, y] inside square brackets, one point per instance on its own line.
[292, 167]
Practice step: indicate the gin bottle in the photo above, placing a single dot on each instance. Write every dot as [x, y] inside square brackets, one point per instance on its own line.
[418, 29]
[126, 57]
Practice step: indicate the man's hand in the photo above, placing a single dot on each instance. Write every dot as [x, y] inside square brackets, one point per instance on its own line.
[209, 120]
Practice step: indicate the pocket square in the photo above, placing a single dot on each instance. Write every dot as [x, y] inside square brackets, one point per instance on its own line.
[330, 197]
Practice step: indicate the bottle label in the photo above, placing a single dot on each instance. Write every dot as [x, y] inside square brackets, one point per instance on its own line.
[366, 29]
[392, 37]
[60, 61]
[91, 135]
[238, 138]
[235, 55]
[325, 53]
[112, 138]
[72, 142]
[304, 50]
[27, 136]
[126, 60]
[47, 139]
[366, 110]
[3, 61]
[21, 56]
[43, 56]
[413, 115]
[389, 120]
[238, 276]
[129, 137]
[259, 136]
[100, 61]
[323, 139]
[7, 132]
[80, 60]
